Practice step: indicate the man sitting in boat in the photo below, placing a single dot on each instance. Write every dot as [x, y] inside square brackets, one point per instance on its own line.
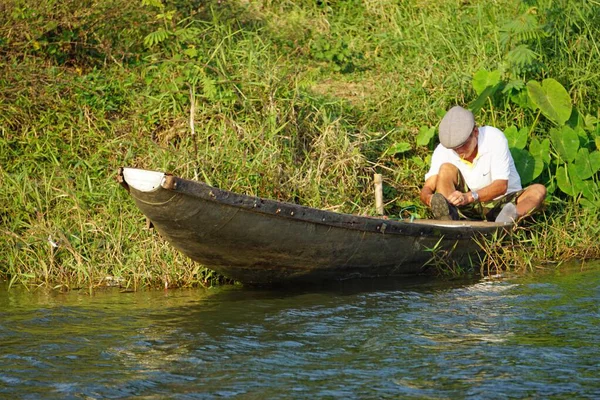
[473, 174]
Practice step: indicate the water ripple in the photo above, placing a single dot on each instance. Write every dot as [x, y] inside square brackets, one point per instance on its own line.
[521, 338]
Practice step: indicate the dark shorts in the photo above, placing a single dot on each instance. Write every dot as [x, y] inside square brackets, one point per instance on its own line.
[484, 210]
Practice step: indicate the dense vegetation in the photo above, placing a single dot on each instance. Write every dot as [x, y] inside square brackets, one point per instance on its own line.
[298, 101]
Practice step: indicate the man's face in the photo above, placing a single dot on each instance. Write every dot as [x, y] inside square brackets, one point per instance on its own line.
[466, 149]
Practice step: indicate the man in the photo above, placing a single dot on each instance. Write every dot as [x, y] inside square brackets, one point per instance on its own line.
[473, 174]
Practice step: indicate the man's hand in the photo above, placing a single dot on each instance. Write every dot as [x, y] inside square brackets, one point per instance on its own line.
[458, 198]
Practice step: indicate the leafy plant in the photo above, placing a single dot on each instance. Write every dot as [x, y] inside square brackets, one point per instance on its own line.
[426, 133]
[574, 162]
[517, 37]
[551, 98]
[398, 148]
[336, 51]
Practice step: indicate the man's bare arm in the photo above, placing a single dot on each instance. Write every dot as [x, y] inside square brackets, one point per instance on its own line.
[490, 192]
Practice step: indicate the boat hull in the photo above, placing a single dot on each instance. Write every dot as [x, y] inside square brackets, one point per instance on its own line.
[265, 242]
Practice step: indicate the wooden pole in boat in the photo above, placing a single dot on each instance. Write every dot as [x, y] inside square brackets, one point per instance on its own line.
[378, 194]
[193, 128]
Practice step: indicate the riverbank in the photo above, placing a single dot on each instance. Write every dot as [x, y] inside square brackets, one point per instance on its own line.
[301, 103]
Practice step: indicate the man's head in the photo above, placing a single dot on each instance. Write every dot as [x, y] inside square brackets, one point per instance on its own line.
[456, 127]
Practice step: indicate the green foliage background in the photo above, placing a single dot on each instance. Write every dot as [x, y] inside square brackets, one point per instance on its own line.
[298, 101]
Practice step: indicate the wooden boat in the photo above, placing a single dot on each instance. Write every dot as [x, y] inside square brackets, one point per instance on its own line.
[265, 242]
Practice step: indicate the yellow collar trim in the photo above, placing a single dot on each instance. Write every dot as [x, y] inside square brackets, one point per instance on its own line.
[469, 163]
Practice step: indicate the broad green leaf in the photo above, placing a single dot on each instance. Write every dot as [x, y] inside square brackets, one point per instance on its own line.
[540, 150]
[566, 142]
[586, 164]
[592, 205]
[564, 181]
[484, 79]
[584, 139]
[528, 167]
[576, 119]
[595, 161]
[552, 99]
[517, 139]
[398, 148]
[425, 135]
[596, 133]
[590, 190]
[522, 99]
[576, 181]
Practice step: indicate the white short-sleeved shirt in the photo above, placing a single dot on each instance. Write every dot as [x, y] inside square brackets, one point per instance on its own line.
[493, 161]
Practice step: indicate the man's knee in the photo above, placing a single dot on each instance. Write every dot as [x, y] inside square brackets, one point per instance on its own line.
[448, 170]
[536, 192]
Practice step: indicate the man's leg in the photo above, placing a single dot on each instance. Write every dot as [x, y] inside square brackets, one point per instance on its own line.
[531, 199]
[446, 184]
[447, 180]
[527, 201]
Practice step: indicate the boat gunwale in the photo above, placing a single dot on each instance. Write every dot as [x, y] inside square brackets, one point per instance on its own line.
[296, 212]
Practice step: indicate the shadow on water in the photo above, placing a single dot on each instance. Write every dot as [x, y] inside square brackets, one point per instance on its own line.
[421, 283]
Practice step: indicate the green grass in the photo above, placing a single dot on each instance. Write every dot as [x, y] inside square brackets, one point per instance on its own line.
[293, 101]
[547, 239]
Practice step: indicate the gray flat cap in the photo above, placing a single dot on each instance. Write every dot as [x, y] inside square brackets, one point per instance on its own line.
[456, 127]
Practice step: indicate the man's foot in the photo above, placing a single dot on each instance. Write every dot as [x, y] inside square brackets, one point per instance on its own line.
[441, 209]
[508, 214]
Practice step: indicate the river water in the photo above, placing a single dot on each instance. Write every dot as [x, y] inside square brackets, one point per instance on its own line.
[528, 337]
